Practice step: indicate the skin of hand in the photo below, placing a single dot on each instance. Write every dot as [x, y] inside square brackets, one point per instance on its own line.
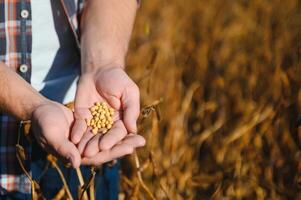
[106, 28]
[112, 85]
[51, 125]
[51, 121]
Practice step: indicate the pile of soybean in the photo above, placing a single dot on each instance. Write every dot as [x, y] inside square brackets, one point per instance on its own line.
[102, 118]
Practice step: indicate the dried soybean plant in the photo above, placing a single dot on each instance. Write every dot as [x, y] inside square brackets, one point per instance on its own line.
[229, 125]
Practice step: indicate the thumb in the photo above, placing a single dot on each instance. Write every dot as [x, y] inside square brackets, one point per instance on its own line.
[68, 151]
[131, 107]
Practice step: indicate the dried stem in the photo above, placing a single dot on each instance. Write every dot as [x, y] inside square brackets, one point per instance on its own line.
[81, 181]
[88, 183]
[140, 177]
[92, 186]
[54, 164]
[60, 194]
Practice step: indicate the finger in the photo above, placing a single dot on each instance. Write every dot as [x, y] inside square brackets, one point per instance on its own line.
[78, 130]
[113, 101]
[134, 140]
[126, 147]
[118, 115]
[107, 141]
[68, 151]
[115, 135]
[84, 141]
[108, 155]
[91, 148]
[131, 105]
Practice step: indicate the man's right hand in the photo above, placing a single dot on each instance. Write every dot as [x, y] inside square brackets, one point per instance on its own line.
[51, 125]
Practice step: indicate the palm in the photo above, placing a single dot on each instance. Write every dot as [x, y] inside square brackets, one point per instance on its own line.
[110, 85]
[87, 94]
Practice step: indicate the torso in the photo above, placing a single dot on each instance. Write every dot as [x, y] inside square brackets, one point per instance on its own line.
[55, 57]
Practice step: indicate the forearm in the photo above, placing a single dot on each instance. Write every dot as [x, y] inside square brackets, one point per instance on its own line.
[106, 28]
[17, 97]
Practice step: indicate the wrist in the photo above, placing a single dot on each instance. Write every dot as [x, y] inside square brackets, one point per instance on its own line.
[98, 73]
[102, 56]
[36, 104]
[95, 67]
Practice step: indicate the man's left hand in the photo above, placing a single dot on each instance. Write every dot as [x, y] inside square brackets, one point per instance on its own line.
[113, 86]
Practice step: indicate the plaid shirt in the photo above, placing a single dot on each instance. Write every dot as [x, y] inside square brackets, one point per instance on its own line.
[15, 52]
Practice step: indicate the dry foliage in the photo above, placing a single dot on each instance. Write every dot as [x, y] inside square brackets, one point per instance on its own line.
[220, 81]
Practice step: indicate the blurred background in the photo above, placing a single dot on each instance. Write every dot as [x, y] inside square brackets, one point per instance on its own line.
[221, 97]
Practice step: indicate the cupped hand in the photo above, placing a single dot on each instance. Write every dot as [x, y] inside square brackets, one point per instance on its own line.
[51, 125]
[111, 85]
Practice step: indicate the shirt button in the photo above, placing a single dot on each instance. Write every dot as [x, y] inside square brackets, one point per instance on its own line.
[23, 68]
[24, 14]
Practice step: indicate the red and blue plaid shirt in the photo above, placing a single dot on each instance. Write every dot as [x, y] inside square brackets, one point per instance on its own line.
[15, 51]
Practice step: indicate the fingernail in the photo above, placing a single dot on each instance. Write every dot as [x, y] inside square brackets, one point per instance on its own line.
[135, 127]
[71, 160]
[142, 142]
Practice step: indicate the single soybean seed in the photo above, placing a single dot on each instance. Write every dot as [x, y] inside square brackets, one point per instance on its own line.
[95, 130]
